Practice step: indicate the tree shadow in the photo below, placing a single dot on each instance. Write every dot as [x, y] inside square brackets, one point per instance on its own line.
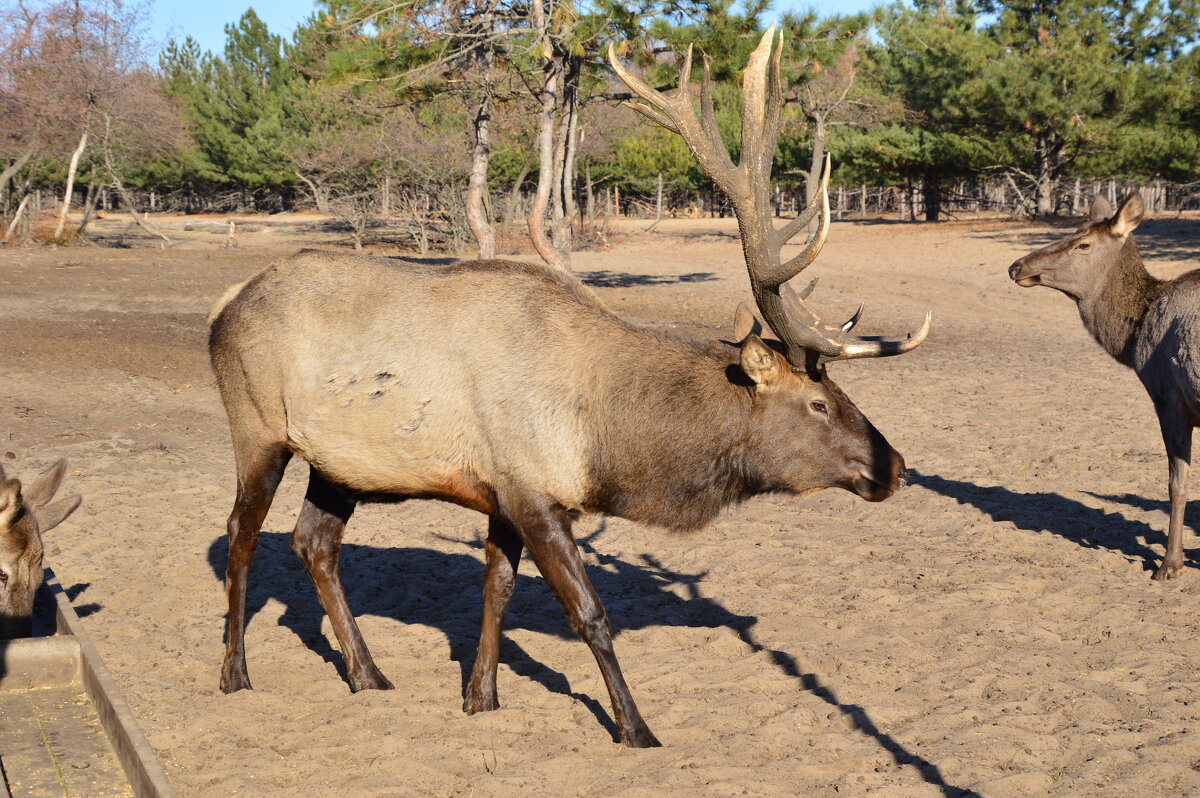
[604, 278]
[423, 586]
[1051, 512]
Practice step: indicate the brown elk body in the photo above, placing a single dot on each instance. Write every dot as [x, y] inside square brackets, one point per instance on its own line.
[1147, 324]
[509, 389]
[24, 515]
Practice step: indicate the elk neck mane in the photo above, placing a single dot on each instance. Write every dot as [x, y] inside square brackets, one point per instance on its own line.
[1114, 314]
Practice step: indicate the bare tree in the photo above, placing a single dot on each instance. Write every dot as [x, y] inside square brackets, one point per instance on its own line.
[74, 73]
[835, 95]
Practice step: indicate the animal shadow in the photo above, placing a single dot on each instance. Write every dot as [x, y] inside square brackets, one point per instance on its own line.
[1056, 514]
[1191, 515]
[604, 278]
[415, 585]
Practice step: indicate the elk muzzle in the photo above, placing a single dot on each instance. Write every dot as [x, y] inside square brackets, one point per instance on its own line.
[1024, 274]
[883, 475]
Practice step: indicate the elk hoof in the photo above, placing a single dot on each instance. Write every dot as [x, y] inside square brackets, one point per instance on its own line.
[1168, 571]
[474, 702]
[641, 738]
[232, 682]
[370, 680]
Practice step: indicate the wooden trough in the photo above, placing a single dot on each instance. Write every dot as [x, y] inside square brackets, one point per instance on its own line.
[65, 729]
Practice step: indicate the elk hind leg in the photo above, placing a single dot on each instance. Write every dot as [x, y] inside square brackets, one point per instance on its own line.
[260, 468]
[317, 540]
[502, 554]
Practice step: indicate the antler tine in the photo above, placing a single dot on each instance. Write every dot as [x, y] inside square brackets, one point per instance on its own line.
[680, 117]
[819, 205]
[759, 81]
[884, 347]
[849, 323]
[708, 123]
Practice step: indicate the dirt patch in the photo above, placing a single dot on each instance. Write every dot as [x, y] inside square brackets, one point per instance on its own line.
[993, 628]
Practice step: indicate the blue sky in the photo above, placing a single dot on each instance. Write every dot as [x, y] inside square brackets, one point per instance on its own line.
[205, 21]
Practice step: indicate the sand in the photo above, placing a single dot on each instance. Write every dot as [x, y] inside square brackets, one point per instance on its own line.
[991, 629]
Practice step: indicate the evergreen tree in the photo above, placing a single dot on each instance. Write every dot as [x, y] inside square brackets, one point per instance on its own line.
[241, 105]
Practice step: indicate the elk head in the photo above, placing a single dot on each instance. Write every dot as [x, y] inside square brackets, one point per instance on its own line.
[1080, 262]
[24, 516]
[789, 375]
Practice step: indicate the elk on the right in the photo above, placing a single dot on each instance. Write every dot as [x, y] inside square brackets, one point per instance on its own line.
[1148, 324]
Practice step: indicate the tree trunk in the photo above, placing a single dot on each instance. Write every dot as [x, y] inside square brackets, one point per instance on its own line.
[66, 203]
[16, 218]
[8, 174]
[120, 187]
[89, 205]
[563, 211]
[589, 202]
[481, 153]
[933, 197]
[1049, 160]
[318, 195]
[514, 196]
[550, 100]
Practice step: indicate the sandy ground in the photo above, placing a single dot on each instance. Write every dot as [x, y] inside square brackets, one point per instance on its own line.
[992, 629]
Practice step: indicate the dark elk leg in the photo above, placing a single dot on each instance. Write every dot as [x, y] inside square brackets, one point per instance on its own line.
[316, 540]
[547, 535]
[259, 472]
[1177, 435]
[503, 554]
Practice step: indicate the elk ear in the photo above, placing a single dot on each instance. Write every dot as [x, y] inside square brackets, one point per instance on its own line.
[10, 500]
[744, 323]
[1129, 216]
[43, 488]
[55, 514]
[761, 363]
[1101, 210]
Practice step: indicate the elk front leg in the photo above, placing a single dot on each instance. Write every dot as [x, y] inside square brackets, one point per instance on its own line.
[1177, 435]
[547, 535]
[317, 540]
[503, 554]
[259, 470]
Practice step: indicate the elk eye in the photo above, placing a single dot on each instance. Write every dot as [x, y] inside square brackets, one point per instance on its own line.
[1085, 246]
[3, 578]
[819, 407]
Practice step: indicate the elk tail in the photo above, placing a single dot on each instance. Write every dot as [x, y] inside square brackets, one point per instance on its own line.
[225, 299]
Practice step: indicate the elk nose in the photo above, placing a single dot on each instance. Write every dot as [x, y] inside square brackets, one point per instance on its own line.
[1015, 269]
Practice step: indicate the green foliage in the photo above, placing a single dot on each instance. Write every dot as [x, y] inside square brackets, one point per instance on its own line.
[936, 91]
[241, 105]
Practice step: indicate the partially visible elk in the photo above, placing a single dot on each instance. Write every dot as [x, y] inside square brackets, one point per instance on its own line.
[510, 389]
[25, 515]
[1148, 324]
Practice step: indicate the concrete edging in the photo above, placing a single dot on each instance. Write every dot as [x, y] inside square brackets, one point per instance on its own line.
[146, 776]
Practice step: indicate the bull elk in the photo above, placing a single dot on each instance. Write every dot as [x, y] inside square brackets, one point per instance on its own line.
[25, 514]
[1147, 324]
[510, 389]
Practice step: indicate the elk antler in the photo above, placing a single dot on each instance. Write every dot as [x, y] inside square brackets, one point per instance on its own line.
[806, 337]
